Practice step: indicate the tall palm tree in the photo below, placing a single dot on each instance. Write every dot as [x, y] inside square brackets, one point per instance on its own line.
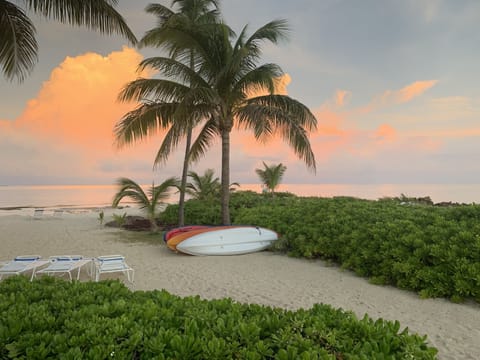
[147, 201]
[271, 175]
[225, 74]
[231, 71]
[18, 45]
[191, 16]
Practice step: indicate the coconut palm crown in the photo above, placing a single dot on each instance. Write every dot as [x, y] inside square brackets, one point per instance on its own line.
[147, 201]
[218, 93]
[18, 44]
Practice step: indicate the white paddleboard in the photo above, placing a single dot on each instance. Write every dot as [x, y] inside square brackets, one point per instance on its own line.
[230, 241]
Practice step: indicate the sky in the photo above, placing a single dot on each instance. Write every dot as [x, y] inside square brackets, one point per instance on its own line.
[393, 85]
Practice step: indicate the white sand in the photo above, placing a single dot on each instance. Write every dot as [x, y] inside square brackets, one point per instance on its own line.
[264, 278]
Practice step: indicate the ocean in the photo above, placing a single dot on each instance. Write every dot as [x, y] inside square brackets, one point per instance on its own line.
[91, 196]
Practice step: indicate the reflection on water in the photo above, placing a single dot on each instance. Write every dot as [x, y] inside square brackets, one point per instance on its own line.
[102, 195]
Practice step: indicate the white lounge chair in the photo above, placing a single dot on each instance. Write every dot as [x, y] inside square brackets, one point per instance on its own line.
[22, 264]
[38, 213]
[57, 213]
[112, 264]
[66, 264]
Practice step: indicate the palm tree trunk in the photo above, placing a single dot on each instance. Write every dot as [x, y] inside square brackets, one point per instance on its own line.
[183, 184]
[186, 160]
[225, 177]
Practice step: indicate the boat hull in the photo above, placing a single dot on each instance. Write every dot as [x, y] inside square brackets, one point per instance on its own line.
[227, 241]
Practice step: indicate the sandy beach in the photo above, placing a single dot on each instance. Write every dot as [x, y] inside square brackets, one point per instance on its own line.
[264, 278]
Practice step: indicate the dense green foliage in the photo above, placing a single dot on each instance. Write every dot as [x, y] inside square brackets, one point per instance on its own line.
[207, 211]
[51, 318]
[432, 250]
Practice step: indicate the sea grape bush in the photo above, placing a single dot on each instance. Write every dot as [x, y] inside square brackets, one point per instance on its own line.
[432, 250]
[207, 212]
[405, 242]
[52, 318]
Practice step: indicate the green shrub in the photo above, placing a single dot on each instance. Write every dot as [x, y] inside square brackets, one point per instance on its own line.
[207, 212]
[412, 245]
[51, 318]
[431, 250]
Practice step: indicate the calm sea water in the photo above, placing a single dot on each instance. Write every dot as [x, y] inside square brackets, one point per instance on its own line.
[102, 195]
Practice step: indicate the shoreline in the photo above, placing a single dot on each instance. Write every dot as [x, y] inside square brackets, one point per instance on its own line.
[264, 278]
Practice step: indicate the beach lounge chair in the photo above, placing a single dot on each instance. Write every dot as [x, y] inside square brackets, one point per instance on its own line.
[22, 264]
[37, 213]
[57, 212]
[67, 264]
[112, 264]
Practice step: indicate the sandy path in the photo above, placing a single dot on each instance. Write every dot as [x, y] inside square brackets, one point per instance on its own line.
[264, 278]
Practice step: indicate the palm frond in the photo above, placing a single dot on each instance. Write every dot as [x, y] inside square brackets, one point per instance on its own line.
[261, 78]
[274, 31]
[266, 115]
[99, 15]
[161, 90]
[161, 192]
[170, 142]
[248, 53]
[171, 68]
[204, 140]
[270, 107]
[129, 188]
[143, 122]
[18, 46]
[162, 12]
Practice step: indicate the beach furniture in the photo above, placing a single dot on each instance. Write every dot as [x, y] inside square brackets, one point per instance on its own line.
[112, 264]
[57, 212]
[37, 213]
[22, 264]
[67, 264]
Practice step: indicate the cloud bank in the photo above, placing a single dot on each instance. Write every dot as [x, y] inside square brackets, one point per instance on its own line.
[65, 134]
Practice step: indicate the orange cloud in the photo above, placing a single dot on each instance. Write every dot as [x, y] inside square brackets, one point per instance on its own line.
[405, 94]
[385, 133]
[413, 90]
[342, 97]
[78, 105]
[67, 129]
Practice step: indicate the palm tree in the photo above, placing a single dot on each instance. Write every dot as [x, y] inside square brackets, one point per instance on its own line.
[271, 175]
[218, 94]
[192, 15]
[203, 187]
[206, 186]
[18, 45]
[232, 73]
[147, 201]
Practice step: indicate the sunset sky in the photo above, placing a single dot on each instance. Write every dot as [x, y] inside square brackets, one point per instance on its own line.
[394, 86]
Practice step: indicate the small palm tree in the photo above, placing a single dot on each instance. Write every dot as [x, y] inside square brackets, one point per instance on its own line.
[206, 186]
[271, 175]
[156, 196]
